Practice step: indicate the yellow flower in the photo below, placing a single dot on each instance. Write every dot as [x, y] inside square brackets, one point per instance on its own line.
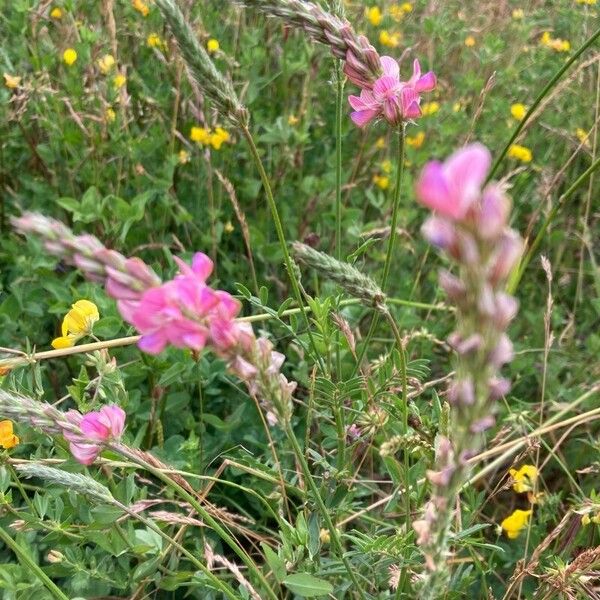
[110, 115]
[293, 120]
[11, 81]
[514, 523]
[218, 138]
[518, 111]
[380, 143]
[457, 106]
[588, 2]
[324, 536]
[391, 40]
[555, 43]
[521, 153]
[69, 56]
[78, 323]
[200, 135]
[396, 12]
[212, 45]
[430, 108]
[386, 166]
[374, 15]
[586, 519]
[228, 227]
[155, 41]
[524, 479]
[469, 41]
[141, 7]
[518, 13]
[106, 63]
[406, 7]
[582, 136]
[7, 438]
[119, 80]
[381, 181]
[56, 13]
[183, 157]
[415, 141]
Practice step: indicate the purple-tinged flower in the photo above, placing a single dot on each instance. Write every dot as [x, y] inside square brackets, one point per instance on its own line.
[440, 233]
[451, 188]
[395, 100]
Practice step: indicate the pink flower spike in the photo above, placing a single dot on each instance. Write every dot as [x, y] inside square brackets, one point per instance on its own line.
[103, 425]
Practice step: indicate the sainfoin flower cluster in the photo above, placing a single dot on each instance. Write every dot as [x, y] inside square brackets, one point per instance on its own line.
[184, 312]
[469, 225]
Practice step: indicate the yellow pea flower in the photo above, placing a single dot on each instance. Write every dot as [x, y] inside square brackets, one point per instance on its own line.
[69, 56]
[588, 2]
[56, 13]
[582, 136]
[374, 15]
[586, 519]
[406, 7]
[469, 41]
[380, 143]
[155, 41]
[110, 115]
[106, 63]
[78, 323]
[228, 227]
[218, 138]
[141, 7]
[430, 108]
[524, 478]
[183, 157]
[119, 81]
[518, 111]
[415, 141]
[7, 438]
[212, 45]
[293, 120]
[391, 40]
[200, 135]
[386, 166]
[521, 153]
[381, 181]
[518, 13]
[515, 523]
[11, 81]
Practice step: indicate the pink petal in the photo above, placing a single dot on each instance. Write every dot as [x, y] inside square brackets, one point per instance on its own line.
[426, 83]
[86, 454]
[95, 426]
[432, 190]
[390, 67]
[202, 265]
[153, 343]
[365, 101]
[116, 417]
[384, 87]
[363, 117]
[392, 111]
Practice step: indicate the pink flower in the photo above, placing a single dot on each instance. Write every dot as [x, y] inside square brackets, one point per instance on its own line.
[450, 188]
[396, 100]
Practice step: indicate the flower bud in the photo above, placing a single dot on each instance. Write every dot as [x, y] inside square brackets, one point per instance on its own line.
[455, 289]
[482, 424]
[493, 212]
[498, 387]
[508, 254]
[506, 310]
[439, 232]
[462, 392]
[502, 353]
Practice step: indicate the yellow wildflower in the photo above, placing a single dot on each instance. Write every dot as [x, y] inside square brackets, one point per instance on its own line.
[11, 81]
[155, 41]
[415, 141]
[183, 157]
[78, 323]
[374, 15]
[396, 12]
[557, 44]
[516, 522]
[582, 136]
[457, 106]
[106, 63]
[406, 7]
[521, 153]
[430, 108]
[380, 143]
[391, 40]
[200, 135]
[110, 115]
[69, 56]
[381, 181]
[469, 41]
[386, 166]
[324, 536]
[524, 479]
[518, 13]
[518, 111]
[212, 45]
[56, 13]
[119, 80]
[218, 138]
[7, 438]
[588, 2]
[228, 227]
[293, 120]
[586, 519]
[141, 7]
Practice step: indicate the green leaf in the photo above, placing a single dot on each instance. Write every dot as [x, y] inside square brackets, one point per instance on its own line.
[307, 585]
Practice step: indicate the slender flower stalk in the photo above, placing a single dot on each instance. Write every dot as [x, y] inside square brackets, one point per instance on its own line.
[469, 226]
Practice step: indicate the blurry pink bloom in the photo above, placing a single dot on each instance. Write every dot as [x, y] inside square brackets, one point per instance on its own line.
[450, 188]
[391, 98]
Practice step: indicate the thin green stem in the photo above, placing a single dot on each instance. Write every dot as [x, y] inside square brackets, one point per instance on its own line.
[518, 273]
[540, 97]
[31, 565]
[217, 583]
[333, 532]
[282, 241]
[391, 242]
[202, 512]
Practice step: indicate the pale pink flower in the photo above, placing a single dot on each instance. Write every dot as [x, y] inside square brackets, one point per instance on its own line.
[391, 98]
[452, 187]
